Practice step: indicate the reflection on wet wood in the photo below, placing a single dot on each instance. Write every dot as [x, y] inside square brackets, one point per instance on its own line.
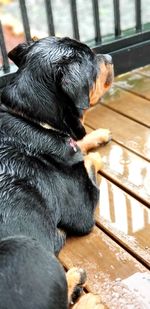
[106, 264]
[128, 104]
[125, 131]
[136, 83]
[125, 219]
[126, 169]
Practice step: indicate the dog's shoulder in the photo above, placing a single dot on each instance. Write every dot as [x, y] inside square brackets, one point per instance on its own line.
[32, 140]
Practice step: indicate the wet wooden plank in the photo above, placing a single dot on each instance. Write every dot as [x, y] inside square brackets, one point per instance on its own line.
[125, 131]
[107, 265]
[145, 70]
[128, 104]
[125, 219]
[136, 83]
[126, 169]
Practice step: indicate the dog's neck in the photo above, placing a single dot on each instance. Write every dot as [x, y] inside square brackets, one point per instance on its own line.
[48, 126]
[18, 113]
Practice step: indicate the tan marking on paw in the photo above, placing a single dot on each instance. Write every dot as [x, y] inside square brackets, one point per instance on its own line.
[35, 38]
[98, 136]
[75, 276]
[93, 158]
[94, 139]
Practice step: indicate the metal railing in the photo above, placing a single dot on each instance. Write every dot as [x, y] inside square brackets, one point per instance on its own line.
[128, 51]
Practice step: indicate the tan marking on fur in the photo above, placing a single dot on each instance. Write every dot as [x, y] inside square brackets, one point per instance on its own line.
[101, 85]
[89, 301]
[35, 38]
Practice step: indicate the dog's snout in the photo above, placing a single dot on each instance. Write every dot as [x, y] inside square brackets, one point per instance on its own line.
[108, 58]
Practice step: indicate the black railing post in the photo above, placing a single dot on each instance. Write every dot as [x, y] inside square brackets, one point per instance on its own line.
[117, 17]
[129, 51]
[96, 20]
[25, 19]
[6, 66]
[138, 15]
[49, 14]
[75, 19]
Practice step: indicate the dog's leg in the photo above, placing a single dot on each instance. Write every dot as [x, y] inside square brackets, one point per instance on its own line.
[94, 139]
[93, 164]
[76, 278]
[89, 301]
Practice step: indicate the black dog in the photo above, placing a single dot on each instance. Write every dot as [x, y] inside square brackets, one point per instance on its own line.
[45, 188]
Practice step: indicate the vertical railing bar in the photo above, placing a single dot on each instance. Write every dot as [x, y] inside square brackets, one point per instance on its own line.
[138, 15]
[96, 21]
[117, 17]
[50, 20]
[6, 66]
[25, 19]
[74, 19]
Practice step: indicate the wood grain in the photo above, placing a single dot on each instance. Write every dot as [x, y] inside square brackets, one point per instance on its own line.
[125, 131]
[128, 104]
[106, 264]
[126, 169]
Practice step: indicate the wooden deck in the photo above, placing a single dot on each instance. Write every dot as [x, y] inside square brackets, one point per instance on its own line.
[116, 255]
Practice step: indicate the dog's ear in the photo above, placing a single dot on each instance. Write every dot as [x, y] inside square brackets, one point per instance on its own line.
[75, 98]
[75, 84]
[18, 54]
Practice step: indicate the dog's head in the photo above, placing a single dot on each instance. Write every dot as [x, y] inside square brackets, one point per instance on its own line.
[58, 78]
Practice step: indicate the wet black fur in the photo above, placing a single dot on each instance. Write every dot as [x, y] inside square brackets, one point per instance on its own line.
[44, 186]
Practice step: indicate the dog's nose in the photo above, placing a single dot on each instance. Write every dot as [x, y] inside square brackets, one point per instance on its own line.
[108, 58]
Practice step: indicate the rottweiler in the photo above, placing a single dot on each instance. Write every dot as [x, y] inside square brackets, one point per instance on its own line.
[47, 177]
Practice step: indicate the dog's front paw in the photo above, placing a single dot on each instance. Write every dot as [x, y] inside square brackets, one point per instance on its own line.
[76, 278]
[89, 301]
[93, 159]
[101, 136]
[94, 139]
